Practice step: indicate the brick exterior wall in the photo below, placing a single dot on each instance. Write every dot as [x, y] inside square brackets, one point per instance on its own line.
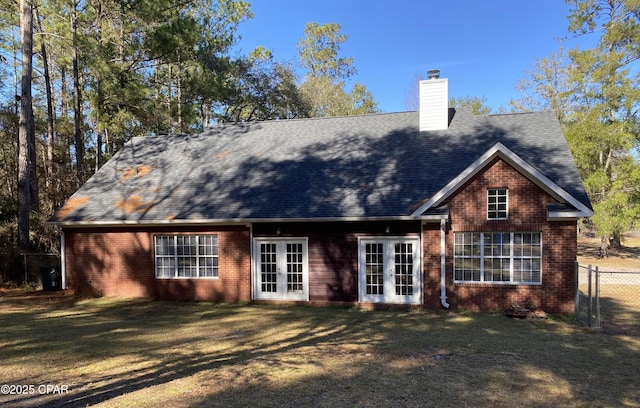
[120, 262]
[527, 213]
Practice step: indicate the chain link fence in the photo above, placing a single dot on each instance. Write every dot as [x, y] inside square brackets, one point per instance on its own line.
[608, 301]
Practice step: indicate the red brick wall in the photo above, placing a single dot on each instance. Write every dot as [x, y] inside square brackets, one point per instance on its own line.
[333, 252]
[120, 262]
[527, 212]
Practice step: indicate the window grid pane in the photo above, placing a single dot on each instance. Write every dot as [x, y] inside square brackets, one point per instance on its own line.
[268, 268]
[527, 254]
[294, 268]
[467, 256]
[207, 256]
[186, 256]
[374, 269]
[497, 203]
[502, 257]
[404, 269]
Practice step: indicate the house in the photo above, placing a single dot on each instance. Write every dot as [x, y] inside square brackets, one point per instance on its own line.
[439, 208]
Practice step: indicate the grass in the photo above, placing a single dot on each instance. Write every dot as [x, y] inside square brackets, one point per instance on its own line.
[140, 353]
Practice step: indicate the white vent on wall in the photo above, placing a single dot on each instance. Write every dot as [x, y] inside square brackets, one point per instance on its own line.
[434, 102]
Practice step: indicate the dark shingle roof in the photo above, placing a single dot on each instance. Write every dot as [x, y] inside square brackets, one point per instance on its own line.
[358, 166]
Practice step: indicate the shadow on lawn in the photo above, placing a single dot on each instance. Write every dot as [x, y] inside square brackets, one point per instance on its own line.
[620, 311]
[302, 356]
[110, 329]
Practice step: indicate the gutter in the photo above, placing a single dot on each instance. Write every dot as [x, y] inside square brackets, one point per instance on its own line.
[443, 269]
[235, 221]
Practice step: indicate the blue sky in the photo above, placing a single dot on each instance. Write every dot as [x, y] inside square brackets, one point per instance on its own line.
[482, 47]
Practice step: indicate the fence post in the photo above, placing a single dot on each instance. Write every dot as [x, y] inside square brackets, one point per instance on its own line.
[597, 324]
[589, 303]
[26, 269]
[576, 289]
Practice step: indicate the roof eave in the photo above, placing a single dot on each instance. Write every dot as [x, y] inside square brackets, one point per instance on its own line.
[567, 215]
[236, 221]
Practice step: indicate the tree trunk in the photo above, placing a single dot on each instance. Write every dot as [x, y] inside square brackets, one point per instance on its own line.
[179, 96]
[100, 102]
[65, 140]
[108, 145]
[78, 135]
[64, 100]
[26, 126]
[604, 247]
[50, 113]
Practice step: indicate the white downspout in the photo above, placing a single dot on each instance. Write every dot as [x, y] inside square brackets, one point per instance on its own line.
[63, 261]
[443, 269]
[252, 266]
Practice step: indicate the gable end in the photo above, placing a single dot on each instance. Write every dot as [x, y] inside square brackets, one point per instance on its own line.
[501, 151]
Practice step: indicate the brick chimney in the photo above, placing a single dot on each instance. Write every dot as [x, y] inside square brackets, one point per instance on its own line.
[434, 102]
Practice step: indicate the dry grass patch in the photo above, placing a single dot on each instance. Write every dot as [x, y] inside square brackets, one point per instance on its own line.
[141, 353]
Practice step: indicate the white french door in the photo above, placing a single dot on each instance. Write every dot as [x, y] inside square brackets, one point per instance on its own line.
[389, 270]
[281, 269]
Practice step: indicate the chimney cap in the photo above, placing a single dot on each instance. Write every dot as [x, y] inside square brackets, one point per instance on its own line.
[433, 74]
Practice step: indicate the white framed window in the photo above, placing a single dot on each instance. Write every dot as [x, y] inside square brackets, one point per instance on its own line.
[497, 204]
[498, 257]
[186, 256]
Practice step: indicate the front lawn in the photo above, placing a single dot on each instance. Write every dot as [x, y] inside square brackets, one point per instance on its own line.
[140, 353]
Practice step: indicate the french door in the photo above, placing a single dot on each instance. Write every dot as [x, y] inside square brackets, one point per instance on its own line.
[389, 270]
[281, 269]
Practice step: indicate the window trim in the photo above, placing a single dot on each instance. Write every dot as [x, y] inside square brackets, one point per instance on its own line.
[198, 257]
[512, 257]
[496, 192]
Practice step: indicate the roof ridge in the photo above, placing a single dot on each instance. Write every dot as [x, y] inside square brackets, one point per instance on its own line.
[519, 113]
[310, 119]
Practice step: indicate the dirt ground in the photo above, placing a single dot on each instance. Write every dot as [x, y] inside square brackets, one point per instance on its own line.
[20, 299]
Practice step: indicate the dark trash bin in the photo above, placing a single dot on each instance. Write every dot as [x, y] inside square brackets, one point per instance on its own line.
[51, 278]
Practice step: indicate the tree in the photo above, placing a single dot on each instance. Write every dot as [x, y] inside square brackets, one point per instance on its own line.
[548, 87]
[477, 105]
[77, 96]
[266, 89]
[318, 51]
[603, 132]
[325, 97]
[412, 95]
[26, 131]
[108, 70]
[49, 96]
[323, 88]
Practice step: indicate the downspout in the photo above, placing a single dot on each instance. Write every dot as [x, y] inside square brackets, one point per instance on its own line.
[252, 254]
[63, 263]
[443, 269]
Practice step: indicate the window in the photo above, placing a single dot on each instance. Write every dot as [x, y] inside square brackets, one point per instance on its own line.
[186, 256]
[497, 204]
[498, 257]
